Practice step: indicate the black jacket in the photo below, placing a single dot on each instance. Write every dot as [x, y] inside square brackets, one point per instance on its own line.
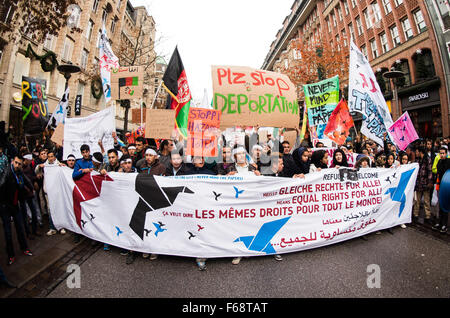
[183, 171]
[11, 192]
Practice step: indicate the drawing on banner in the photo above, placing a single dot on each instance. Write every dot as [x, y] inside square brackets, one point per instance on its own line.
[398, 193]
[261, 241]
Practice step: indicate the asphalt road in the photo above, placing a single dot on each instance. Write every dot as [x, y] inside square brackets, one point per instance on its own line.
[411, 263]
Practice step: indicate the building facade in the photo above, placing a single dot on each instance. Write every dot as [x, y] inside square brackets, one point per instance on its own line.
[392, 34]
[131, 31]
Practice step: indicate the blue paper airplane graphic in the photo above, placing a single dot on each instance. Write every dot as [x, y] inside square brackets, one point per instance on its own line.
[261, 241]
[158, 228]
[237, 192]
[398, 193]
[119, 231]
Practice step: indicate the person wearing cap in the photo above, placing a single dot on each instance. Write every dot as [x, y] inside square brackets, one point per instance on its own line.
[242, 165]
[70, 162]
[83, 165]
[261, 160]
[152, 165]
[126, 165]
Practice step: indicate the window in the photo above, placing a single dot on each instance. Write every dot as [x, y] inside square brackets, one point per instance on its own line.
[113, 25]
[364, 51]
[80, 90]
[21, 68]
[338, 41]
[347, 11]
[373, 47]
[329, 25]
[424, 66]
[49, 42]
[398, 2]
[443, 9]
[89, 30]
[387, 6]
[344, 37]
[359, 25]
[407, 29]
[420, 22]
[395, 36]
[95, 6]
[333, 16]
[353, 3]
[376, 11]
[384, 43]
[286, 64]
[352, 33]
[119, 2]
[104, 16]
[403, 66]
[339, 12]
[367, 18]
[84, 58]
[67, 49]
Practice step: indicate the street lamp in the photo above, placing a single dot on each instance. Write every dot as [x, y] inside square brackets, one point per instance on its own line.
[393, 74]
[67, 70]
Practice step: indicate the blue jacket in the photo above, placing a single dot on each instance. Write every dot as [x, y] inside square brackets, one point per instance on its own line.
[81, 164]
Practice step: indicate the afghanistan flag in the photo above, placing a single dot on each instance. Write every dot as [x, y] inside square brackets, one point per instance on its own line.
[175, 81]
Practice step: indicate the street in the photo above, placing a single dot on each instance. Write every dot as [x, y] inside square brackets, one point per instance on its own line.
[411, 263]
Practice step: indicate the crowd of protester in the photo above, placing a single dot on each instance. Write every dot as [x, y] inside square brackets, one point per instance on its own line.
[24, 201]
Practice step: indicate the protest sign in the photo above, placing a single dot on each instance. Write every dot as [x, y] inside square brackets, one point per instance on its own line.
[252, 97]
[159, 123]
[202, 127]
[291, 137]
[34, 105]
[254, 216]
[403, 132]
[321, 99]
[136, 115]
[78, 104]
[127, 82]
[366, 97]
[58, 135]
[339, 124]
[89, 130]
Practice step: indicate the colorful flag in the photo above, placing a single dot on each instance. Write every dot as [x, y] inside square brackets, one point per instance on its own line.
[339, 124]
[175, 82]
[60, 113]
[365, 97]
[108, 60]
[403, 132]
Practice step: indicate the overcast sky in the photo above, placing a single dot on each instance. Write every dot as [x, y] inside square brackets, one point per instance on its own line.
[215, 32]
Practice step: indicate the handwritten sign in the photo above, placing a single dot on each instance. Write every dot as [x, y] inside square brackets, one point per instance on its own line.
[251, 97]
[159, 123]
[34, 105]
[127, 82]
[202, 127]
[321, 99]
[58, 135]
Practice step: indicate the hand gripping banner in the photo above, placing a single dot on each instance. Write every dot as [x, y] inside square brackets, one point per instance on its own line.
[228, 216]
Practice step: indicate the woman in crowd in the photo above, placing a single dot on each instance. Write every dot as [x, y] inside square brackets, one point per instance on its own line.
[339, 159]
[302, 162]
[319, 161]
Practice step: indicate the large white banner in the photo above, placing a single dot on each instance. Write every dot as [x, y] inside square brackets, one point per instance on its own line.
[365, 97]
[228, 216]
[89, 130]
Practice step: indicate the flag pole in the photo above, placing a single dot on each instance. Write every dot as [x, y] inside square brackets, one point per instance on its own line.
[168, 91]
[156, 95]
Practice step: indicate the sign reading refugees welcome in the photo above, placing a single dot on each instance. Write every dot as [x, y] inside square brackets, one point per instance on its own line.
[252, 97]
